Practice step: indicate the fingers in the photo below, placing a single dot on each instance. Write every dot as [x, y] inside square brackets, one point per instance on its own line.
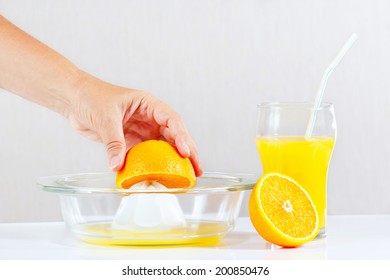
[112, 137]
[173, 130]
[196, 164]
[182, 146]
[187, 148]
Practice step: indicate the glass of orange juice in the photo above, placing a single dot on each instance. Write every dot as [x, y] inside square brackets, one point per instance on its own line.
[285, 147]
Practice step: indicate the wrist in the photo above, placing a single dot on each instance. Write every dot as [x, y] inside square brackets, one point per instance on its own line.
[71, 94]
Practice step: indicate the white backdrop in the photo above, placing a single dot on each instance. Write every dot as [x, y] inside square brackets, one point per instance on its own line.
[212, 61]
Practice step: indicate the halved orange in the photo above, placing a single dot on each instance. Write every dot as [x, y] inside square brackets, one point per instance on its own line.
[156, 161]
[282, 211]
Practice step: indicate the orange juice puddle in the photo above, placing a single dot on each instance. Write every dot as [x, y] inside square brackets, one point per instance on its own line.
[195, 233]
[304, 160]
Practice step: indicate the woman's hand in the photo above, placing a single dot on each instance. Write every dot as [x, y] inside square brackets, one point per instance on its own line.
[120, 118]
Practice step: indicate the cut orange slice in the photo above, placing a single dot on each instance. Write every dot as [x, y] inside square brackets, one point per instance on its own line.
[282, 212]
[157, 161]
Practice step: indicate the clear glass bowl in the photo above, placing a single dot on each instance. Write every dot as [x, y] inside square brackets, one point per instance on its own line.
[90, 205]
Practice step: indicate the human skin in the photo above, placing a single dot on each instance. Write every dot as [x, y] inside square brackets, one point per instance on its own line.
[118, 117]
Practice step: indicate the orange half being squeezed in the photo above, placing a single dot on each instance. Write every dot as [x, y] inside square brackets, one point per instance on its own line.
[156, 161]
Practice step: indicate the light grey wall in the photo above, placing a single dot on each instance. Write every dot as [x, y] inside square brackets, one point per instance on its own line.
[212, 61]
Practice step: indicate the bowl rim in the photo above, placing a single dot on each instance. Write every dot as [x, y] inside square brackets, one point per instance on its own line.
[62, 184]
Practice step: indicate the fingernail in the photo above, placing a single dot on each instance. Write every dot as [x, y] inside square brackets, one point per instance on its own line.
[186, 149]
[115, 161]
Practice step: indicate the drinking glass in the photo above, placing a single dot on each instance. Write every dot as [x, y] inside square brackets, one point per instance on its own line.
[286, 145]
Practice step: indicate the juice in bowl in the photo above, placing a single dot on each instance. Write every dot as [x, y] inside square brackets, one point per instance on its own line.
[284, 148]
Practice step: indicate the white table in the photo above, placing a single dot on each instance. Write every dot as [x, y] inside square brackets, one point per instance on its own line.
[349, 237]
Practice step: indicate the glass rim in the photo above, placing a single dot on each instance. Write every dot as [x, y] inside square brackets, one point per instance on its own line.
[291, 105]
[65, 184]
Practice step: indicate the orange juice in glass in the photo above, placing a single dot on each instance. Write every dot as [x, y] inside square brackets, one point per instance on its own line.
[284, 148]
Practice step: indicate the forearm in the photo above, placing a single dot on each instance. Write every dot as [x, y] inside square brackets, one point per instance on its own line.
[32, 70]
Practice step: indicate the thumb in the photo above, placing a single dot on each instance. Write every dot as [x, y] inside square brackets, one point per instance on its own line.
[114, 141]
